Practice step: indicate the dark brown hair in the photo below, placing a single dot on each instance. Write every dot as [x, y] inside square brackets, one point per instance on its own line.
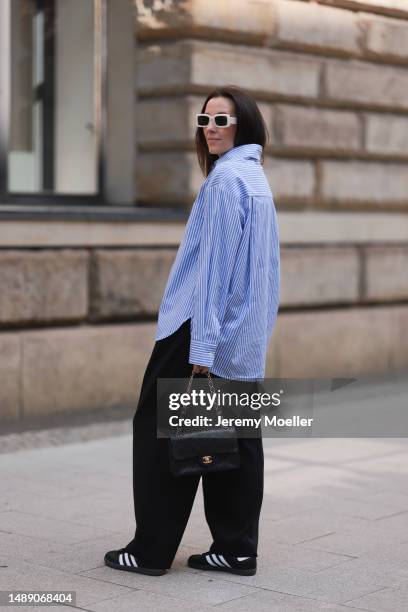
[251, 127]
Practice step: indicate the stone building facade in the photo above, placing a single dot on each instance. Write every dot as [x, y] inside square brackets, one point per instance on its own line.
[81, 283]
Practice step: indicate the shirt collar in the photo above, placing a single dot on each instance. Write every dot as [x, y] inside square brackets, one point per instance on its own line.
[246, 151]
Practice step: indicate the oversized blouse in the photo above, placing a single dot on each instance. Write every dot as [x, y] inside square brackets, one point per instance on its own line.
[226, 273]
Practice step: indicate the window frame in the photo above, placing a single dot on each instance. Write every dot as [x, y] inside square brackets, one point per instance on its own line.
[100, 95]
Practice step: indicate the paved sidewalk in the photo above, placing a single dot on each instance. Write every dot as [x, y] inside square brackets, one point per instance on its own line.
[334, 529]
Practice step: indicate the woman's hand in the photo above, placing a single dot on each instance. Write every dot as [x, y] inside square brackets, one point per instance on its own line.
[199, 369]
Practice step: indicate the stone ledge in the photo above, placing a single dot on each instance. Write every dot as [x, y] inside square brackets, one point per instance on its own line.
[63, 234]
[300, 227]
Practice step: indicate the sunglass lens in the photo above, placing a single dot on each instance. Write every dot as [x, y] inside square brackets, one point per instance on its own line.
[202, 120]
[221, 120]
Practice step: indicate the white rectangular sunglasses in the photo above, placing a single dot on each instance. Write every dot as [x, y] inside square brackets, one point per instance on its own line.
[220, 120]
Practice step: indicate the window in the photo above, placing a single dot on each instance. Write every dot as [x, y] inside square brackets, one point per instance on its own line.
[51, 79]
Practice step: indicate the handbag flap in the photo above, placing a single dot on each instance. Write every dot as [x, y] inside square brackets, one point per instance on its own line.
[204, 443]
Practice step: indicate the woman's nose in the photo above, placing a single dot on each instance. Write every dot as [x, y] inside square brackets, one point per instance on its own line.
[211, 125]
[211, 129]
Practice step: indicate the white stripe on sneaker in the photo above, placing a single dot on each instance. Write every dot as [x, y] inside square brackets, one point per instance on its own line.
[121, 559]
[217, 561]
[210, 561]
[127, 560]
[133, 560]
[221, 558]
[242, 558]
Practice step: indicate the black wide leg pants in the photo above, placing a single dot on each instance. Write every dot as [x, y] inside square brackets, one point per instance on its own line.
[163, 502]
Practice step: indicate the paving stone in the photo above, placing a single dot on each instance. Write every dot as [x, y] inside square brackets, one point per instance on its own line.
[30, 577]
[141, 599]
[273, 576]
[82, 556]
[393, 464]
[333, 451]
[17, 547]
[365, 544]
[382, 600]
[45, 528]
[297, 556]
[269, 600]
[355, 578]
[362, 508]
[310, 526]
[184, 584]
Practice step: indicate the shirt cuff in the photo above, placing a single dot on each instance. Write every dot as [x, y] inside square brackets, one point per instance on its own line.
[201, 353]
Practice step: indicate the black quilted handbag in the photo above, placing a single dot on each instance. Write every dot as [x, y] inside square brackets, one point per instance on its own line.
[213, 449]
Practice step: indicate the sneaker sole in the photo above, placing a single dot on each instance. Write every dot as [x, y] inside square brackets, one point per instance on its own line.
[136, 570]
[230, 570]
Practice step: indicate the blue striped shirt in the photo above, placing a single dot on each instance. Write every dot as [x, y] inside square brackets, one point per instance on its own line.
[226, 274]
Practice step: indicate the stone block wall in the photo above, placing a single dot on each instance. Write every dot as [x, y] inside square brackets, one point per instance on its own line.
[331, 80]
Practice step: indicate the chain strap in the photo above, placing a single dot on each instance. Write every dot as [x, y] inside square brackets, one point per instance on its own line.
[210, 382]
[179, 428]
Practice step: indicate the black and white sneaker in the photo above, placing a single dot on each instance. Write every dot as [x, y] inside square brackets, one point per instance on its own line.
[245, 566]
[123, 560]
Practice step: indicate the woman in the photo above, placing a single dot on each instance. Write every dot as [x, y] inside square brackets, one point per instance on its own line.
[216, 315]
